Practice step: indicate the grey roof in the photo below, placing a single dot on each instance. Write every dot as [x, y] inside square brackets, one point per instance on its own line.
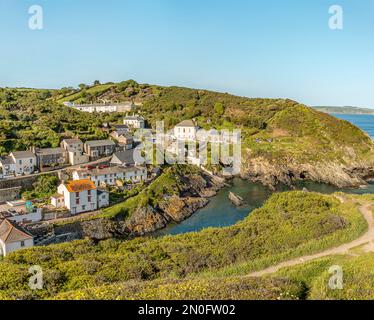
[125, 157]
[138, 118]
[7, 160]
[72, 141]
[50, 151]
[186, 123]
[120, 126]
[100, 143]
[108, 170]
[23, 154]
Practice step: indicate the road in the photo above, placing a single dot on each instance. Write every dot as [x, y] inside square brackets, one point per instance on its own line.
[366, 240]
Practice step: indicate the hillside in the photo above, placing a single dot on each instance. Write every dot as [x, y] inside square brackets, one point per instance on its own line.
[345, 110]
[290, 224]
[283, 140]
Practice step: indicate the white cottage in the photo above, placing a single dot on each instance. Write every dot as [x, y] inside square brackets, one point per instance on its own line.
[135, 122]
[18, 163]
[186, 130]
[13, 238]
[77, 196]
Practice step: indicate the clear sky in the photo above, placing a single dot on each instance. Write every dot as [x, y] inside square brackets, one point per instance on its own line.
[255, 48]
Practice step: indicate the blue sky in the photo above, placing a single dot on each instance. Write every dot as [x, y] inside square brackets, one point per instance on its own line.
[255, 48]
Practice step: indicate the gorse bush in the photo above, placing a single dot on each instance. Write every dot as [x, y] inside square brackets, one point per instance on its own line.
[288, 225]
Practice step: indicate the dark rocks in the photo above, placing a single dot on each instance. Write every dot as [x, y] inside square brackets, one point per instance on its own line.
[236, 199]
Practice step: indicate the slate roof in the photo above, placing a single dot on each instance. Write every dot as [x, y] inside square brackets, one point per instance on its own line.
[186, 123]
[100, 143]
[10, 232]
[125, 157]
[72, 141]
[50, 151]
[23, 154]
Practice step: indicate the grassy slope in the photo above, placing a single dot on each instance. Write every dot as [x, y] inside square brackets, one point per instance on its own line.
[193, 289]
[285, 227]
[358, 277]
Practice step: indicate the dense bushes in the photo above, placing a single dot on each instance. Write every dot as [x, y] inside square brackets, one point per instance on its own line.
[288, 225]
[43, 188]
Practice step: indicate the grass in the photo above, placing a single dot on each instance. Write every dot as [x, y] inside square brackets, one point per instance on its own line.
[77, 97]
[289, 224]
[193, 289]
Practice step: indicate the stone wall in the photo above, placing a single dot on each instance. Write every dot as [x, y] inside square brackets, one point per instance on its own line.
[24, 182]
[9, 194]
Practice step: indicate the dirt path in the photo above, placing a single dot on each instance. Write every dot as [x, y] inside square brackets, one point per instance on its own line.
[367, 239]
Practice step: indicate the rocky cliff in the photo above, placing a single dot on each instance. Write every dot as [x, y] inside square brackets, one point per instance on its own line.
[194, 194]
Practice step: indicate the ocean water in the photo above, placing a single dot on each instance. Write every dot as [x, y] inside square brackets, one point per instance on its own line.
[220, 212]
[365, 122]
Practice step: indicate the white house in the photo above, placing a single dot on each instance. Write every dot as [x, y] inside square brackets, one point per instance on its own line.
[18, 163]
[135, 122]
[102, 198]
[13, 238]
[186, 130]
[109, 176]
[77, 196]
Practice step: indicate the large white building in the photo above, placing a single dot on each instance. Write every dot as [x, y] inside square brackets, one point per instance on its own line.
[135, 122]
[13, 238]
[103, 107]
[186, 130]
[109, 176]
[18, 163]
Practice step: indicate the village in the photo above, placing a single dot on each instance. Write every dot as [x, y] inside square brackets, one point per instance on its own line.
[88, 172]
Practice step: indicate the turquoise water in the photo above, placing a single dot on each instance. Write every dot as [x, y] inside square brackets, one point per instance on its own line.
[220, 212]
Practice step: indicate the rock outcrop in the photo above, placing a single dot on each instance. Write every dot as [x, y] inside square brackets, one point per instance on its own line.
[236, 199]
[194, 194]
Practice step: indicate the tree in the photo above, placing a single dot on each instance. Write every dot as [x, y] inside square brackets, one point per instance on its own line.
[82, 86]
[96, 83]
[219, 108]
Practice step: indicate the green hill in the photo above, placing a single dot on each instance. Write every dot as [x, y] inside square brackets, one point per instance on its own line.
[282, 140]
[345, 110]
[289, 225]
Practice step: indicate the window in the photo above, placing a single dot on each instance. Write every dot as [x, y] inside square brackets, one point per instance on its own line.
[20, 162]
[77, 194]
[89, 199]
[89, 192]
[30, 161]
[22, 243]
[83, 207]
[77, 201]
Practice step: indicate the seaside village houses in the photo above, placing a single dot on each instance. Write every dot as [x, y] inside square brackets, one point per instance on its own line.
[112, 176]
[102, 107]
[75, 149]
[134, 122]
[99, 148]
[18, 163]
[80, 196]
